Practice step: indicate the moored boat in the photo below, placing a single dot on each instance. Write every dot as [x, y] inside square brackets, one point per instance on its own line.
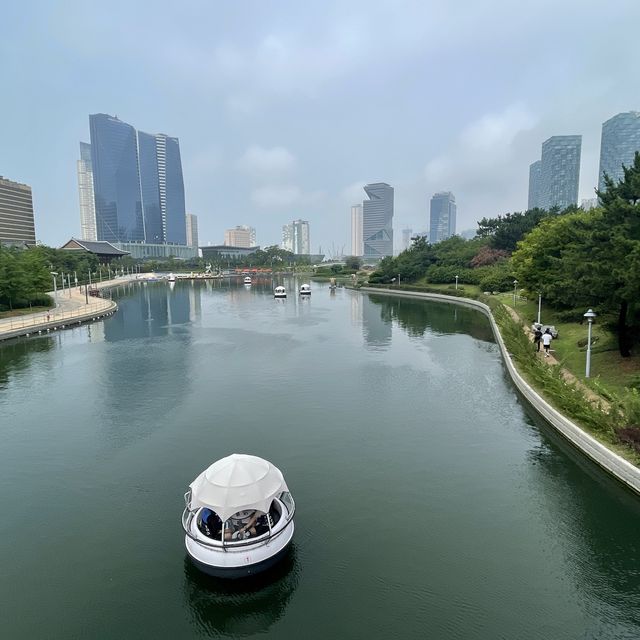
[238, 518]
[280, 292]
[247, 280]
[305, 290]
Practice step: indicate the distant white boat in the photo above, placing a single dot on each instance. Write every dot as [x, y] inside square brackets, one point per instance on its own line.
[305, 290]
[280, 292]
[172, 277]
[247, 280]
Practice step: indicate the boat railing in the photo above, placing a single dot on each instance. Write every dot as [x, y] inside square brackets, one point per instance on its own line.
[187, 521]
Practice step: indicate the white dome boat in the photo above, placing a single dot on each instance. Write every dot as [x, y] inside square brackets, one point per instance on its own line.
[171, 277]
[305, 290]
[280, 292]
[238, 518]
[247, 280]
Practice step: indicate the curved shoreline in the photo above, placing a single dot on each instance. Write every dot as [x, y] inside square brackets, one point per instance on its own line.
[608, 460]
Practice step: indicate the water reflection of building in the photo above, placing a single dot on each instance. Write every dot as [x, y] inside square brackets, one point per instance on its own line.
[376, 323]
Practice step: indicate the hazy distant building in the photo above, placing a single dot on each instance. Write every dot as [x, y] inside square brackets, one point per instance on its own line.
[192, 230]
[138, 184]
[588, 203]
[296, 237]
[377, 221]
[442, 216]
[535, 174]
[620, 141]
[356, 230]
[560, 172]
[406, 239]
[240, 236]
[16, 213]
[85, 192]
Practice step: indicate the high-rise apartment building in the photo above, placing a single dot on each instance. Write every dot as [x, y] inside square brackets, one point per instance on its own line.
[377, 221]
[192, 230]
[620, 141]
[16, 213]
[356, 230]
[555, 182]
[241, 236]
[535, 173]
[407, 234]
[442, 216]
[137, 183]
[85, 191]
[296, 238]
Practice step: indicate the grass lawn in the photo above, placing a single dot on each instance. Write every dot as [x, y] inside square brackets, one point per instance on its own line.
[608, 369]
[22, 312]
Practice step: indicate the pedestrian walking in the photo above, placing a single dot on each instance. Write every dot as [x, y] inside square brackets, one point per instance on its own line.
[537, 335]
[546, 342]
[48, 317]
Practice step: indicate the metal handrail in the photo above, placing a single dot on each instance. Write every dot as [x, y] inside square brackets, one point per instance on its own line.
[187, 519]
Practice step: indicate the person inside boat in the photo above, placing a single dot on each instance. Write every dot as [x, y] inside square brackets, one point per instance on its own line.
[243, 525]
[210, 523]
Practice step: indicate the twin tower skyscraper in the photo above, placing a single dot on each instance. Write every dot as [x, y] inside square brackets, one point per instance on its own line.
[131, 185]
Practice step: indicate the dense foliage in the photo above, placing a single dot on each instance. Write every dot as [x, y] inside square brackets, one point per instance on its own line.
[591, 258]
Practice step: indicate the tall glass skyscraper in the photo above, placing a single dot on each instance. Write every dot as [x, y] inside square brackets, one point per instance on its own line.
[560, 172]
[138, 184]
[442, 218]
[116, 181]
[377, 221]
[620, 141]
[535, 172]
[85, 191]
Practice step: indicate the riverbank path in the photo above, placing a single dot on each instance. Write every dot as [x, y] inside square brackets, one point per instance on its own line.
[72, 306]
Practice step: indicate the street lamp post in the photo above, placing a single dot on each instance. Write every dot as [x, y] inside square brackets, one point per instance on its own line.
[590, 315]
[54, 275]
[456, 283]
[515, 291]
[539, 304]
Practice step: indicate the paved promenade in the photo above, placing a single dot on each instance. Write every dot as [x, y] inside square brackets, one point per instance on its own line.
[72, 308]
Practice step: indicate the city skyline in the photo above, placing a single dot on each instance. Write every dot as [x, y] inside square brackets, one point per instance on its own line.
[241, 91]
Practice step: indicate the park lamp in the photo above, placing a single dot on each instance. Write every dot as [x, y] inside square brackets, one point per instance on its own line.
[590, 315]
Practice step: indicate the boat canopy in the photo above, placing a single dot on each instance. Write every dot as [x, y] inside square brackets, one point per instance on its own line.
[237, 483]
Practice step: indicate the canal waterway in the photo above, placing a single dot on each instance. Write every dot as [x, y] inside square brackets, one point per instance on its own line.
[430, 504]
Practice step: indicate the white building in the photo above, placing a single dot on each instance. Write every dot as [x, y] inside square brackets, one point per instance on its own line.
[357, 248]
[295, 237]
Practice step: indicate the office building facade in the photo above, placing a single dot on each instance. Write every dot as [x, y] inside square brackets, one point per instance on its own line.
[442, 216]
[559, 172]
[618, 146]
[17, 227]
[85, 192]
[377, 221]
[138, 185]
[241, 236]
[356, 230]
[296, 237]
[535, 172]
[192, 230]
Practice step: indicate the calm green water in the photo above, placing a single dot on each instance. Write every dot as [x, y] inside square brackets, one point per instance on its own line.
[430, 505]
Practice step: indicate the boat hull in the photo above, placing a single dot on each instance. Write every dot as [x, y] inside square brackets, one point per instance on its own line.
[239, 562]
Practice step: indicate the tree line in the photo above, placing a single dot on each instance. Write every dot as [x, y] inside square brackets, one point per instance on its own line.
[575, 259]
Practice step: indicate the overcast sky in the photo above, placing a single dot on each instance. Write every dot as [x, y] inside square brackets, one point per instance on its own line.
[285, 109]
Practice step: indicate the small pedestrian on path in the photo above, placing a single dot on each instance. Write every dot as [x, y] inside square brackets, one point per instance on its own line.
[537, 335]
[546, 342]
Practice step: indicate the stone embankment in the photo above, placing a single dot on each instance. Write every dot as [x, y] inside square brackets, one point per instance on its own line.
[73, 307]
[608, 460]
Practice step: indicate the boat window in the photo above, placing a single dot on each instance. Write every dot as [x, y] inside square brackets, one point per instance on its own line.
[287, 500]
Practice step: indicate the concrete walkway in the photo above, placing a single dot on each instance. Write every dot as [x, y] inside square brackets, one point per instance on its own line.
[72, 308]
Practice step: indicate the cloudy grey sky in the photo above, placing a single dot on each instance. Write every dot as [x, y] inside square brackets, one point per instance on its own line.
[285, 109]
